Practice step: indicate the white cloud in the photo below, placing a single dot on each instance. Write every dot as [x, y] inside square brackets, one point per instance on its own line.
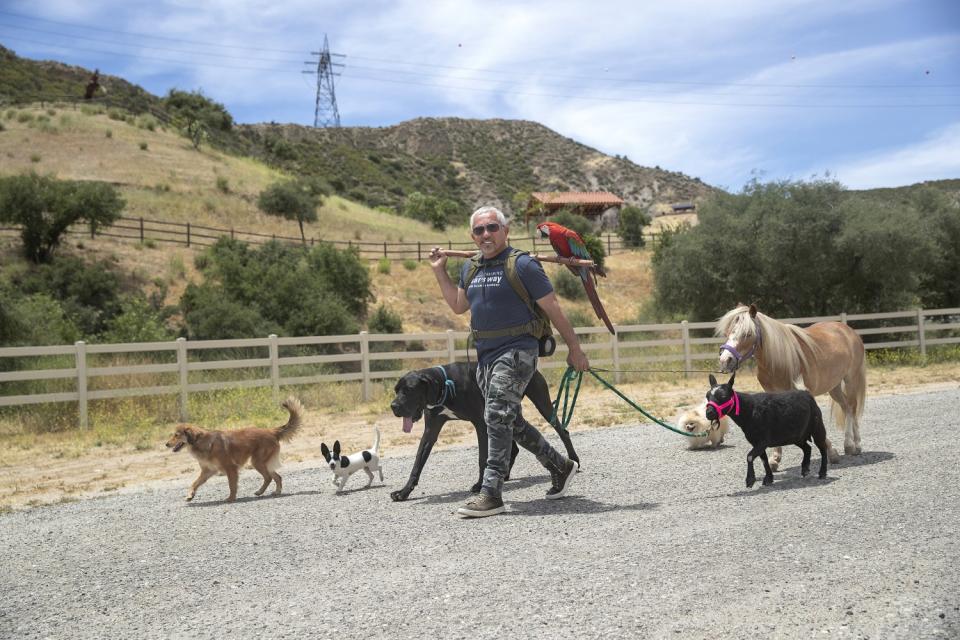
[934, 158]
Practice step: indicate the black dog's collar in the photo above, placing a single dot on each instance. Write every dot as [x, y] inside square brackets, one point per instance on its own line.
[447, 389]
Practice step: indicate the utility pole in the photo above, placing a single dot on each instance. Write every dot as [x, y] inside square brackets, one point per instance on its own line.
[325, 114]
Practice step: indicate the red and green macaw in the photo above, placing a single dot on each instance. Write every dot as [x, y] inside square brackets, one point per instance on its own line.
[568, 244]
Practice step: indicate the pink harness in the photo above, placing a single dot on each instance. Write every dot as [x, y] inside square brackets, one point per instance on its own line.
[720, 408]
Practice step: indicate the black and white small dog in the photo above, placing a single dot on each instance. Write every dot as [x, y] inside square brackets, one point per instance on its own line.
[771, 420]
[345, 466]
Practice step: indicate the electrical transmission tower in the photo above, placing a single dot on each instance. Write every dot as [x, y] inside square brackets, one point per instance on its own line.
[326, 114]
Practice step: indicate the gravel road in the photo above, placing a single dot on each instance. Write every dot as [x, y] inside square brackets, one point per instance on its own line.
[655, 541]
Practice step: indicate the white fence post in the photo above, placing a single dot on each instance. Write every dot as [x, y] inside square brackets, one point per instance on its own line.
[82, 382]
[184, 377]
[615, 349]
[921, 333]
[451, 347]
[275, 367]
[685, 330]
[365, 365]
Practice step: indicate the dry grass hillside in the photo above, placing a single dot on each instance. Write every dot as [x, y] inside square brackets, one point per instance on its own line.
[162, 177]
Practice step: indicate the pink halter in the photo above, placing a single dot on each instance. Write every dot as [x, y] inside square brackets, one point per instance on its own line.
[720, 408]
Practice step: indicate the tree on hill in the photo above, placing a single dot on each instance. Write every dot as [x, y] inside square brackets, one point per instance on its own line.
[293, 200]
[438, 212]
[187, 106]
[632, 222]
[45, 207]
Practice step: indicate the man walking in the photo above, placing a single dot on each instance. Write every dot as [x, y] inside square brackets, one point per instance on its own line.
[501, 323]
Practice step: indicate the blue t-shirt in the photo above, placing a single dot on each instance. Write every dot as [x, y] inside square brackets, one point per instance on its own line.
[495, 305]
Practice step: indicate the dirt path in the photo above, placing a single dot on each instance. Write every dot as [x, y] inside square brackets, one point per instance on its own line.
[37, 476]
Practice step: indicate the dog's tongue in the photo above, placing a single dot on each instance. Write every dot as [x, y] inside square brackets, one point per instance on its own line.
[407, 425]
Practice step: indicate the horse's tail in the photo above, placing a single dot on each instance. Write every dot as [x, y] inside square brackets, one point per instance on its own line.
[854, 388]
[860, 377]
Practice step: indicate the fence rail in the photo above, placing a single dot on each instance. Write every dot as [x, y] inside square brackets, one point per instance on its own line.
[647, 345]
[138, 229]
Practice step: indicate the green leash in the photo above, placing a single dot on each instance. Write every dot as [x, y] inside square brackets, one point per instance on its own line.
[567, 413]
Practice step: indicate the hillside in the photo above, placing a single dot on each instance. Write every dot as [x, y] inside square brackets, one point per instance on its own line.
[470, 162]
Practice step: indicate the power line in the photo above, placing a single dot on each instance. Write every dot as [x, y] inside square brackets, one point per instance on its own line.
[145, 35]
[139, 45]
[500, 91]
[395, 61]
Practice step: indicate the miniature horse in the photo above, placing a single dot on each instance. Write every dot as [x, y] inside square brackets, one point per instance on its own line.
[771, 420]
[826, 357]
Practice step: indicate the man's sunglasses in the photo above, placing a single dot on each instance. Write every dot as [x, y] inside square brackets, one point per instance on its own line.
[493, 227]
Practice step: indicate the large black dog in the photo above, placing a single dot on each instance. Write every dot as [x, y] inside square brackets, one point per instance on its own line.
[450, 392]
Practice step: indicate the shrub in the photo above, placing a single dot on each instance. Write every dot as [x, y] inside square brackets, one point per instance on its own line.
[108, 133]
[579, 318]
[454, 267]
[209, 313]
[383, 266]
[34, 320]
[410, 265]
[223, 185]
[282, 289]
[136, 322]
[568, 285]
[632, 222]
[143, 146]
[35, 158]
[383, 320]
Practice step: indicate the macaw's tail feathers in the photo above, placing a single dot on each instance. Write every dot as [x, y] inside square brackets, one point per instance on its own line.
[597, 306]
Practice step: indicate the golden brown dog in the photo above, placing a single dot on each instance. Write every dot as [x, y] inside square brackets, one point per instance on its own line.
[224, 452]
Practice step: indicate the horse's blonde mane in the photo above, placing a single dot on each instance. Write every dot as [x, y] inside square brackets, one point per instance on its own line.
[780, 351]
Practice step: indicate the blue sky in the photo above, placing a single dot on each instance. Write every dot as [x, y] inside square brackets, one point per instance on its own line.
[868, 91]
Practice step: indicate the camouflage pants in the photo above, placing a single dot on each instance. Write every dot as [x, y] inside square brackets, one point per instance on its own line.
[502, 383]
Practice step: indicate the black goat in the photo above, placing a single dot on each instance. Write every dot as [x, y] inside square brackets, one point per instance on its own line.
[771, 420]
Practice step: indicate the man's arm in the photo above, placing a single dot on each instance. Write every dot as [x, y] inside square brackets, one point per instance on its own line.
[455, 297]
[576, 358]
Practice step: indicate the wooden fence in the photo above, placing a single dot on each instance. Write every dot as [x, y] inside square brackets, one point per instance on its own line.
[142, 230]
[361, 358]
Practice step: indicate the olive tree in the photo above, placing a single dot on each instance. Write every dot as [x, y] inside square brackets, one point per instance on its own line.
[44, 208]
[293, 200]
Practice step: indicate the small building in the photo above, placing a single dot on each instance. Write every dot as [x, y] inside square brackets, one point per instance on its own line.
[595, 205]
[683, 207]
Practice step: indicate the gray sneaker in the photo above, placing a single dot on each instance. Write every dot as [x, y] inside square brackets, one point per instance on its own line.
[481, 506]
[562, 480]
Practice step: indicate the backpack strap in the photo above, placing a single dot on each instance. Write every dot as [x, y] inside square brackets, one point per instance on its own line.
[538, 326]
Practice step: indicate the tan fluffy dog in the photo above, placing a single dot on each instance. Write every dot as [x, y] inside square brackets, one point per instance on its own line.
[695, 421]
[224, 452]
